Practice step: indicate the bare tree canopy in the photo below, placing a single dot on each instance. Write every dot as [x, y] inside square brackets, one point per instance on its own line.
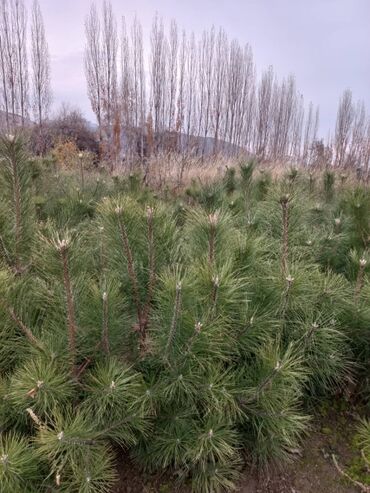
[41, 90]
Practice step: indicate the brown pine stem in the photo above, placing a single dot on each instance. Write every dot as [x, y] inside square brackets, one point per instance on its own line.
[197, 330]
[266, 382]
[130, 267]
[103, 256]
[360, 279]
[152, 275]
[284, 202]
[105, 338]
[71, 318]
[18, 216]
[213, 220]
[80, 157]
[215, 288]
[176, 313]
[286, 295]
[310, 334]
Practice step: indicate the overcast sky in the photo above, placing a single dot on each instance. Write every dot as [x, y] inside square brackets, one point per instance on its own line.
[324, 43]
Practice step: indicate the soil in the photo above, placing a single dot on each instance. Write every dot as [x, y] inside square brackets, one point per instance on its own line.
[312, 472]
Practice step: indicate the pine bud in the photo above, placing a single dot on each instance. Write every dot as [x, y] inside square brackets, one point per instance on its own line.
[62, 244]
[289, 279]
[4, 458]
[277, 366]
[57, 479]
[118, 210]
[213, 218]
[10, 137]
[112, 385]
[198, 327]
[216, 281]
[284, 199]
[80, 155]
[210, 433]
[363, 262]
[60, 436]
[337, 221]
[105, 296]
[149, 212]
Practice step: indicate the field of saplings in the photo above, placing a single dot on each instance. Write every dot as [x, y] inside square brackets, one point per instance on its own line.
[191, 332]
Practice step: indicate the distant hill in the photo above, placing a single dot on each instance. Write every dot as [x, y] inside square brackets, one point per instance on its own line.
[17, 120]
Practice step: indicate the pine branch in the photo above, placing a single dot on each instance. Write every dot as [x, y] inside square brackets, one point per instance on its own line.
[105, 335]
[131, 269]
[18, 219]
[360, 279]
[213, 221]
[62, 247]
[176, 312]
[25, 330]
[152, 274]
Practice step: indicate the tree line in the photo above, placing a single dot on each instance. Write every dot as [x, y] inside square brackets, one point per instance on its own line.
[193, 95]
[24, 93]
[202, 95]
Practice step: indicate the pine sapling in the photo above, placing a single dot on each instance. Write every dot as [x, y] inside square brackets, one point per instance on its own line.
[284, 202]
[62, 246]
[152, 274]
[140, 327]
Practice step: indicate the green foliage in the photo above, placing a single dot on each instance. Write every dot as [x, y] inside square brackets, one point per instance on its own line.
[20, 468]
[188, 331]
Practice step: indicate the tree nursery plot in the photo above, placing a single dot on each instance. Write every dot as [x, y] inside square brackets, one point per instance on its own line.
[192, 332]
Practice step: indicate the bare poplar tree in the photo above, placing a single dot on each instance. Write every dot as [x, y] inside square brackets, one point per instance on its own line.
[172, 74]
[221, 53]
[358, 133]
[9, 62]
[126, 92]
[263, 112]
[138, 83]
[41, 91]
[109, 48]
[181, 91]
[3, 66]
[190, 94]
[20, 26]
[343, 126]
[93, 66]
[158, 77]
